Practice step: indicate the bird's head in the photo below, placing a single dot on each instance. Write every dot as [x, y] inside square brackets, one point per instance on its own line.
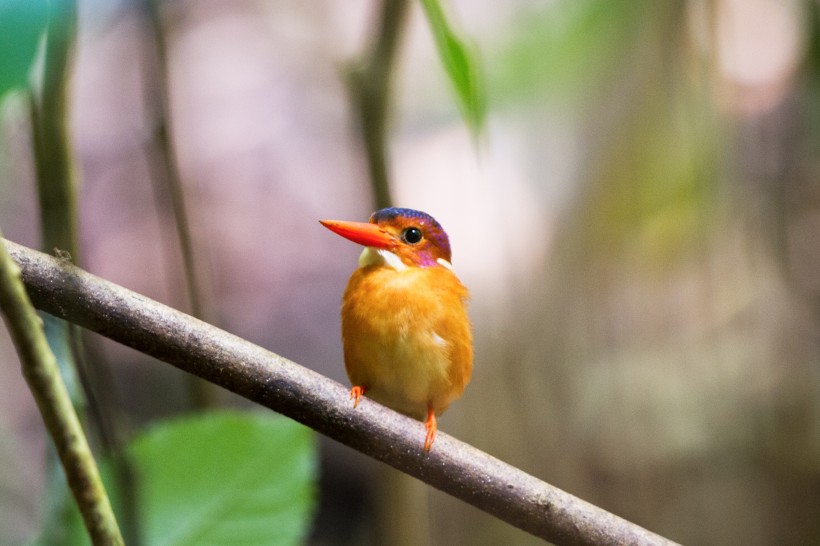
[397, 237]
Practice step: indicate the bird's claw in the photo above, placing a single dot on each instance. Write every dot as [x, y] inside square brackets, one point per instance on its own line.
[356, 393]
[431, 426]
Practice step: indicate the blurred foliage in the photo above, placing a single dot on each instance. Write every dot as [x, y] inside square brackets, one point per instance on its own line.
[652, 193]
[571, 47]
[461, 63]
[217, 478]
[812, 69]
[21, 25]
[660, 361]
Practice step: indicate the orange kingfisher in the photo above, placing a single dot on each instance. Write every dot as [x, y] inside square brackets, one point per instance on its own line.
[405, 330]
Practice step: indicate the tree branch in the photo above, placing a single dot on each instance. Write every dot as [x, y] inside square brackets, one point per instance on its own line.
[454, 467]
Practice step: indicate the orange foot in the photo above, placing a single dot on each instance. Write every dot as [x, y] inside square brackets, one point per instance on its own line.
[430, 425]
[356, 393]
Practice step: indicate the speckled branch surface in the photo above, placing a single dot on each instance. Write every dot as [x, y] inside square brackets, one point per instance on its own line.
[59, 288]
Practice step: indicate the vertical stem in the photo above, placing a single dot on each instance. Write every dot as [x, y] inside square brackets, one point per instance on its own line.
[55, 173]
[165, 173]
[370, 90]
[43, 377]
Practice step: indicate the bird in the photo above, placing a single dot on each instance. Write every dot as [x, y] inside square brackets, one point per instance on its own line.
[406, 334]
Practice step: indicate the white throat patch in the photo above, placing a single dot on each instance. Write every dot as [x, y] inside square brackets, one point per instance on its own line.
[379, 256]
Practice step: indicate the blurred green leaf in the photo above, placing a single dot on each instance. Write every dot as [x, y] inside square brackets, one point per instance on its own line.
[461, 64]
[655, 186]
[21, 25]
[220, 478]
[572, 46]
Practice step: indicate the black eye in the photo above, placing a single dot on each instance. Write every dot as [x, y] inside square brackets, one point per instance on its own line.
[411, 235]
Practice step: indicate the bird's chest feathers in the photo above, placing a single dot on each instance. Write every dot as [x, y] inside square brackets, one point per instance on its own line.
[399, 304]
[398, 326]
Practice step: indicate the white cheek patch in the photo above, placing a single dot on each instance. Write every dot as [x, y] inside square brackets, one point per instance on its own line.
[444, 263]
[391, 260]
[378, 256]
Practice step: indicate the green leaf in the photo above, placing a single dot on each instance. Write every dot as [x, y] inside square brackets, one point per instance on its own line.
[21, 25]
[461, 64]
[221, 478]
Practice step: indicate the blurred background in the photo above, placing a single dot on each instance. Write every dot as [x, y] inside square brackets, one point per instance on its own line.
[638, 222]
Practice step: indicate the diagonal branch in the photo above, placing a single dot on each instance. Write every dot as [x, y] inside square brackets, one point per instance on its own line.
[454, 467]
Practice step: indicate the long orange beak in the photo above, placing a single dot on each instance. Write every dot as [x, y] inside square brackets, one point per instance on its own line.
[363, 233]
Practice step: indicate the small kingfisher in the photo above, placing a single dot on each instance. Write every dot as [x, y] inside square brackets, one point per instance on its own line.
[405, 331]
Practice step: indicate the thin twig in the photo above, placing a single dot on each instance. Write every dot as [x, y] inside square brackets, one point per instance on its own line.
[165, 175]
[454, 467]
[50, 134]
[370, 92]
[43, 376]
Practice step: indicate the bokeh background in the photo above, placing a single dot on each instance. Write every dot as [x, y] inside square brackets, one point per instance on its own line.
[639, 224]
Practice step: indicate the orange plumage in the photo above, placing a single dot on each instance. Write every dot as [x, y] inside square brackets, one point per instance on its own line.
[405, 330]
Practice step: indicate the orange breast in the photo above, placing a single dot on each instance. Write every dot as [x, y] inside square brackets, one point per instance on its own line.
[407, 337]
